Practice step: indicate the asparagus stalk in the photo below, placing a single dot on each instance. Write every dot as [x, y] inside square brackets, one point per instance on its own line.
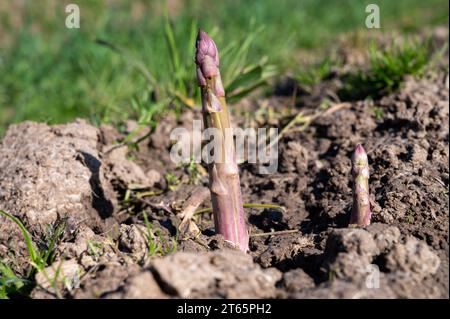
[361, 212]
[224, 182]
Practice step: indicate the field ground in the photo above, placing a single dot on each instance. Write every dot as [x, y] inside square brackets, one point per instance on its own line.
[102, 202]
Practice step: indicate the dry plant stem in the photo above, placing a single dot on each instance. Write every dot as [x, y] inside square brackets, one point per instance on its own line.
[361, 212]
[191, 205]
[193, 202]
[307, 119]
[223, 170]
[161, 205]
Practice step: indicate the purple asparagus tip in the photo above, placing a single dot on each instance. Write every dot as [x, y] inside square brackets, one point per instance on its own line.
[360, 151]
[206, 47]
[206, 57]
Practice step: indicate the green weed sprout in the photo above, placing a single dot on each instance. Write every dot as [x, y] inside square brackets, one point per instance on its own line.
[38, 259]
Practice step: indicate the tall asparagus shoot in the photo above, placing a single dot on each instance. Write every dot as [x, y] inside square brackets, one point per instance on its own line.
[361, 212]
[223, 170]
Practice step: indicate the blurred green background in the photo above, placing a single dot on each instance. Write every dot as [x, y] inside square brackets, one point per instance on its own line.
[131, 59]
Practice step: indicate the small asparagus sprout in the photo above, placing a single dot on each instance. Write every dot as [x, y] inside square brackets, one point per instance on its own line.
[223, 173]
[361, 203]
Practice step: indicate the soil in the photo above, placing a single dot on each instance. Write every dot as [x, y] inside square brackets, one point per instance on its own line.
[82, 177]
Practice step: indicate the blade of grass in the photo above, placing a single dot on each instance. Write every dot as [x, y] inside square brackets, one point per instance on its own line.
[138, 64]
[28, 242]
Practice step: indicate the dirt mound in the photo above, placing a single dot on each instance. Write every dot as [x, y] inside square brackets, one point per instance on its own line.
[51, 172]
[54, 173]
[219, 274]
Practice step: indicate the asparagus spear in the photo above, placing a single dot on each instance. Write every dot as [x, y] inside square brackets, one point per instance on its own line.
[224, 182]
[361, 212]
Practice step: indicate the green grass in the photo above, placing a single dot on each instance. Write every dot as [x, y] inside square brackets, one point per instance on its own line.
[311, 75]
[54, 74]
[388, 68]
[378, 112]
[10, 283]
[156, 244]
